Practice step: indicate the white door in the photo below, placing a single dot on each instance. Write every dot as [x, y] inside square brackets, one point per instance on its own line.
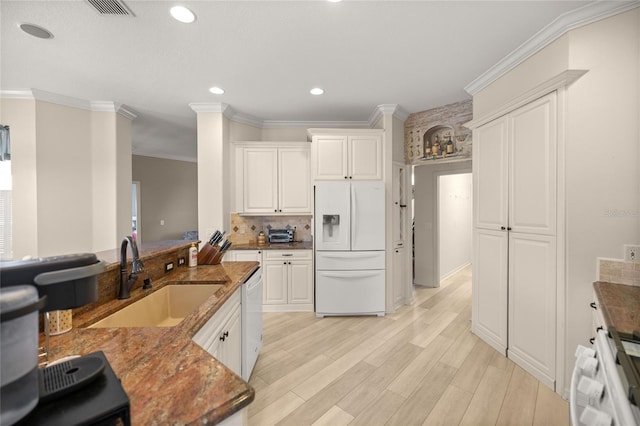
[365, 157]
[294, 194]
[398, 276]
[490, 175]
[300, 283]
[367, 216]
[260, 180]
[275, 282]
[532, 304]
[330, 157]
[350, 292]
[231, 346]
[332, 216]
[490, 274]
[532, 188]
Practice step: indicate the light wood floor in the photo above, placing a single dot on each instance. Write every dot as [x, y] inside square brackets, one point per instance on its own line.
[419, 366]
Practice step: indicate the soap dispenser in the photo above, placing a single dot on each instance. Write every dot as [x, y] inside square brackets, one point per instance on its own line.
[193, 255]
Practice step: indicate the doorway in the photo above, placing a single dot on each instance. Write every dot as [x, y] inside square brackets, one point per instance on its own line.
[136, 216]
[427, 218]
[454, 223]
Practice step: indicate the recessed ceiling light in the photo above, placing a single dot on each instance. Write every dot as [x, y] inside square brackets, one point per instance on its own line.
[334, 1]
[36, 31]
[182, 14]
[316, 91]
[216, 90]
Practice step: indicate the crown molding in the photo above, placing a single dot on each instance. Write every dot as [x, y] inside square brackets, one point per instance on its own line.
[394, 109]
[563, 79]
[55, 98]
[165, 156]
[108, 106]
[566, 22]
[307, 124]
[209, 107]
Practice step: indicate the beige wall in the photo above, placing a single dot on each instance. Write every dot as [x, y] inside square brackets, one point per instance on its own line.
[57, 178]
[169, 192]
[21, 116]
[550, 61]
[601, 151]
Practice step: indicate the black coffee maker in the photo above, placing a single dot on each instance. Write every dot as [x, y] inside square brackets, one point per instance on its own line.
[28, 287]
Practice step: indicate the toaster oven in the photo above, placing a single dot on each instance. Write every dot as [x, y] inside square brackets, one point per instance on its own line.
[280, 235]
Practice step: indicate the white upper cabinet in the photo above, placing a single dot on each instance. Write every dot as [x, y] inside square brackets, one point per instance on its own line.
[274, 179]
[294, 183]
[260, 189]
[491, 174]
[532, 189]
[340, 156]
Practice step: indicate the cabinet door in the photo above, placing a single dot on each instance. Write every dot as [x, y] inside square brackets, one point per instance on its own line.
[275, 282]
[300, 282]
[231, 348]
[399, 275]
[260, 180]
[532, 304]
[244, 255]
[330, 158]
[490, 175]
[365, 157]
[532, 187]
[294, 183]
[490, 274]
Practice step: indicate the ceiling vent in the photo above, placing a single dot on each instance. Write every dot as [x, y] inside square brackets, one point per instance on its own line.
[110, 7]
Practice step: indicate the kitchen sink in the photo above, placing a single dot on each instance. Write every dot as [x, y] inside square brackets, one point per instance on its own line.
[166, 307]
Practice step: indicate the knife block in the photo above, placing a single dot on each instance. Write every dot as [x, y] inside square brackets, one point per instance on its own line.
[209, 255]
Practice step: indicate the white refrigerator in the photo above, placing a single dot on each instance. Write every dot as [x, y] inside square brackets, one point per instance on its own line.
[350, 248]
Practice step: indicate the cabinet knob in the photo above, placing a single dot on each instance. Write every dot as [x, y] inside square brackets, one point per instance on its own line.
[599, 328]
[276, 211]
[502, 228]
[346, 177]
[593, 305]
[222, 338]
[350, 177]
[508, 228]
[592, 340]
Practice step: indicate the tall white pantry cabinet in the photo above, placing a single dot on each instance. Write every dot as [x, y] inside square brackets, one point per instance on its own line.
[514, 264]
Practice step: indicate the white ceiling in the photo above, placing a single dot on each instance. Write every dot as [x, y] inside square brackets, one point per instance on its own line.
[267, 55]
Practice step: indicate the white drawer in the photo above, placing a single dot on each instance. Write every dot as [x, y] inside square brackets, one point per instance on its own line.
[286, 254]
[349, 260]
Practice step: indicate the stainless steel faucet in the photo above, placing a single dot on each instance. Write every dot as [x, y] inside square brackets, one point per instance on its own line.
[137, 267]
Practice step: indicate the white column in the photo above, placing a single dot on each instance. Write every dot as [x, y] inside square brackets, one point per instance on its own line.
[213, 168]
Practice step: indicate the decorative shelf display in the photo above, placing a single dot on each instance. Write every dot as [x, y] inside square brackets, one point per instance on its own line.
[439, 135]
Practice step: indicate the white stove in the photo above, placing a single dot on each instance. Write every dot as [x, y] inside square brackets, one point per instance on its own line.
[602, 389]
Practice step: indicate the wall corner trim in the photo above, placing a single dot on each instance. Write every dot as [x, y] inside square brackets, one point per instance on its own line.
[563, 79]
[394, 109]
[585, 15]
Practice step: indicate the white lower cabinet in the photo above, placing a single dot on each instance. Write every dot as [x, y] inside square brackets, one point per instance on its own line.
[243, 256]
[221, 336]
[288, 280]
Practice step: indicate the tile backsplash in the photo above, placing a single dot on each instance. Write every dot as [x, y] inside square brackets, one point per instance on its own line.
[245, 229]
[618, 271]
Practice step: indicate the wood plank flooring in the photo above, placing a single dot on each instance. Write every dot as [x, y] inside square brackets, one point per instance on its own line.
[418, 366]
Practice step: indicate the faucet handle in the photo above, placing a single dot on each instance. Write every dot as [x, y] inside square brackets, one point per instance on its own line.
[137, 266]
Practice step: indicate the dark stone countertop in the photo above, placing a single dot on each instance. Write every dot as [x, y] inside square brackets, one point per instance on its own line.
[169, 378]
[620, 305]
[296, 245]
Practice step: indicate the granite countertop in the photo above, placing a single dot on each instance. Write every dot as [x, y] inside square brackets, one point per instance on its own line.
[295, 245]
[145, 250]
[169, 378]
[620, 305]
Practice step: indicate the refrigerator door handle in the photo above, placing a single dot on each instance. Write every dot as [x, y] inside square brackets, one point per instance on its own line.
[352, 254]
[350, 275]
[354, 215]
